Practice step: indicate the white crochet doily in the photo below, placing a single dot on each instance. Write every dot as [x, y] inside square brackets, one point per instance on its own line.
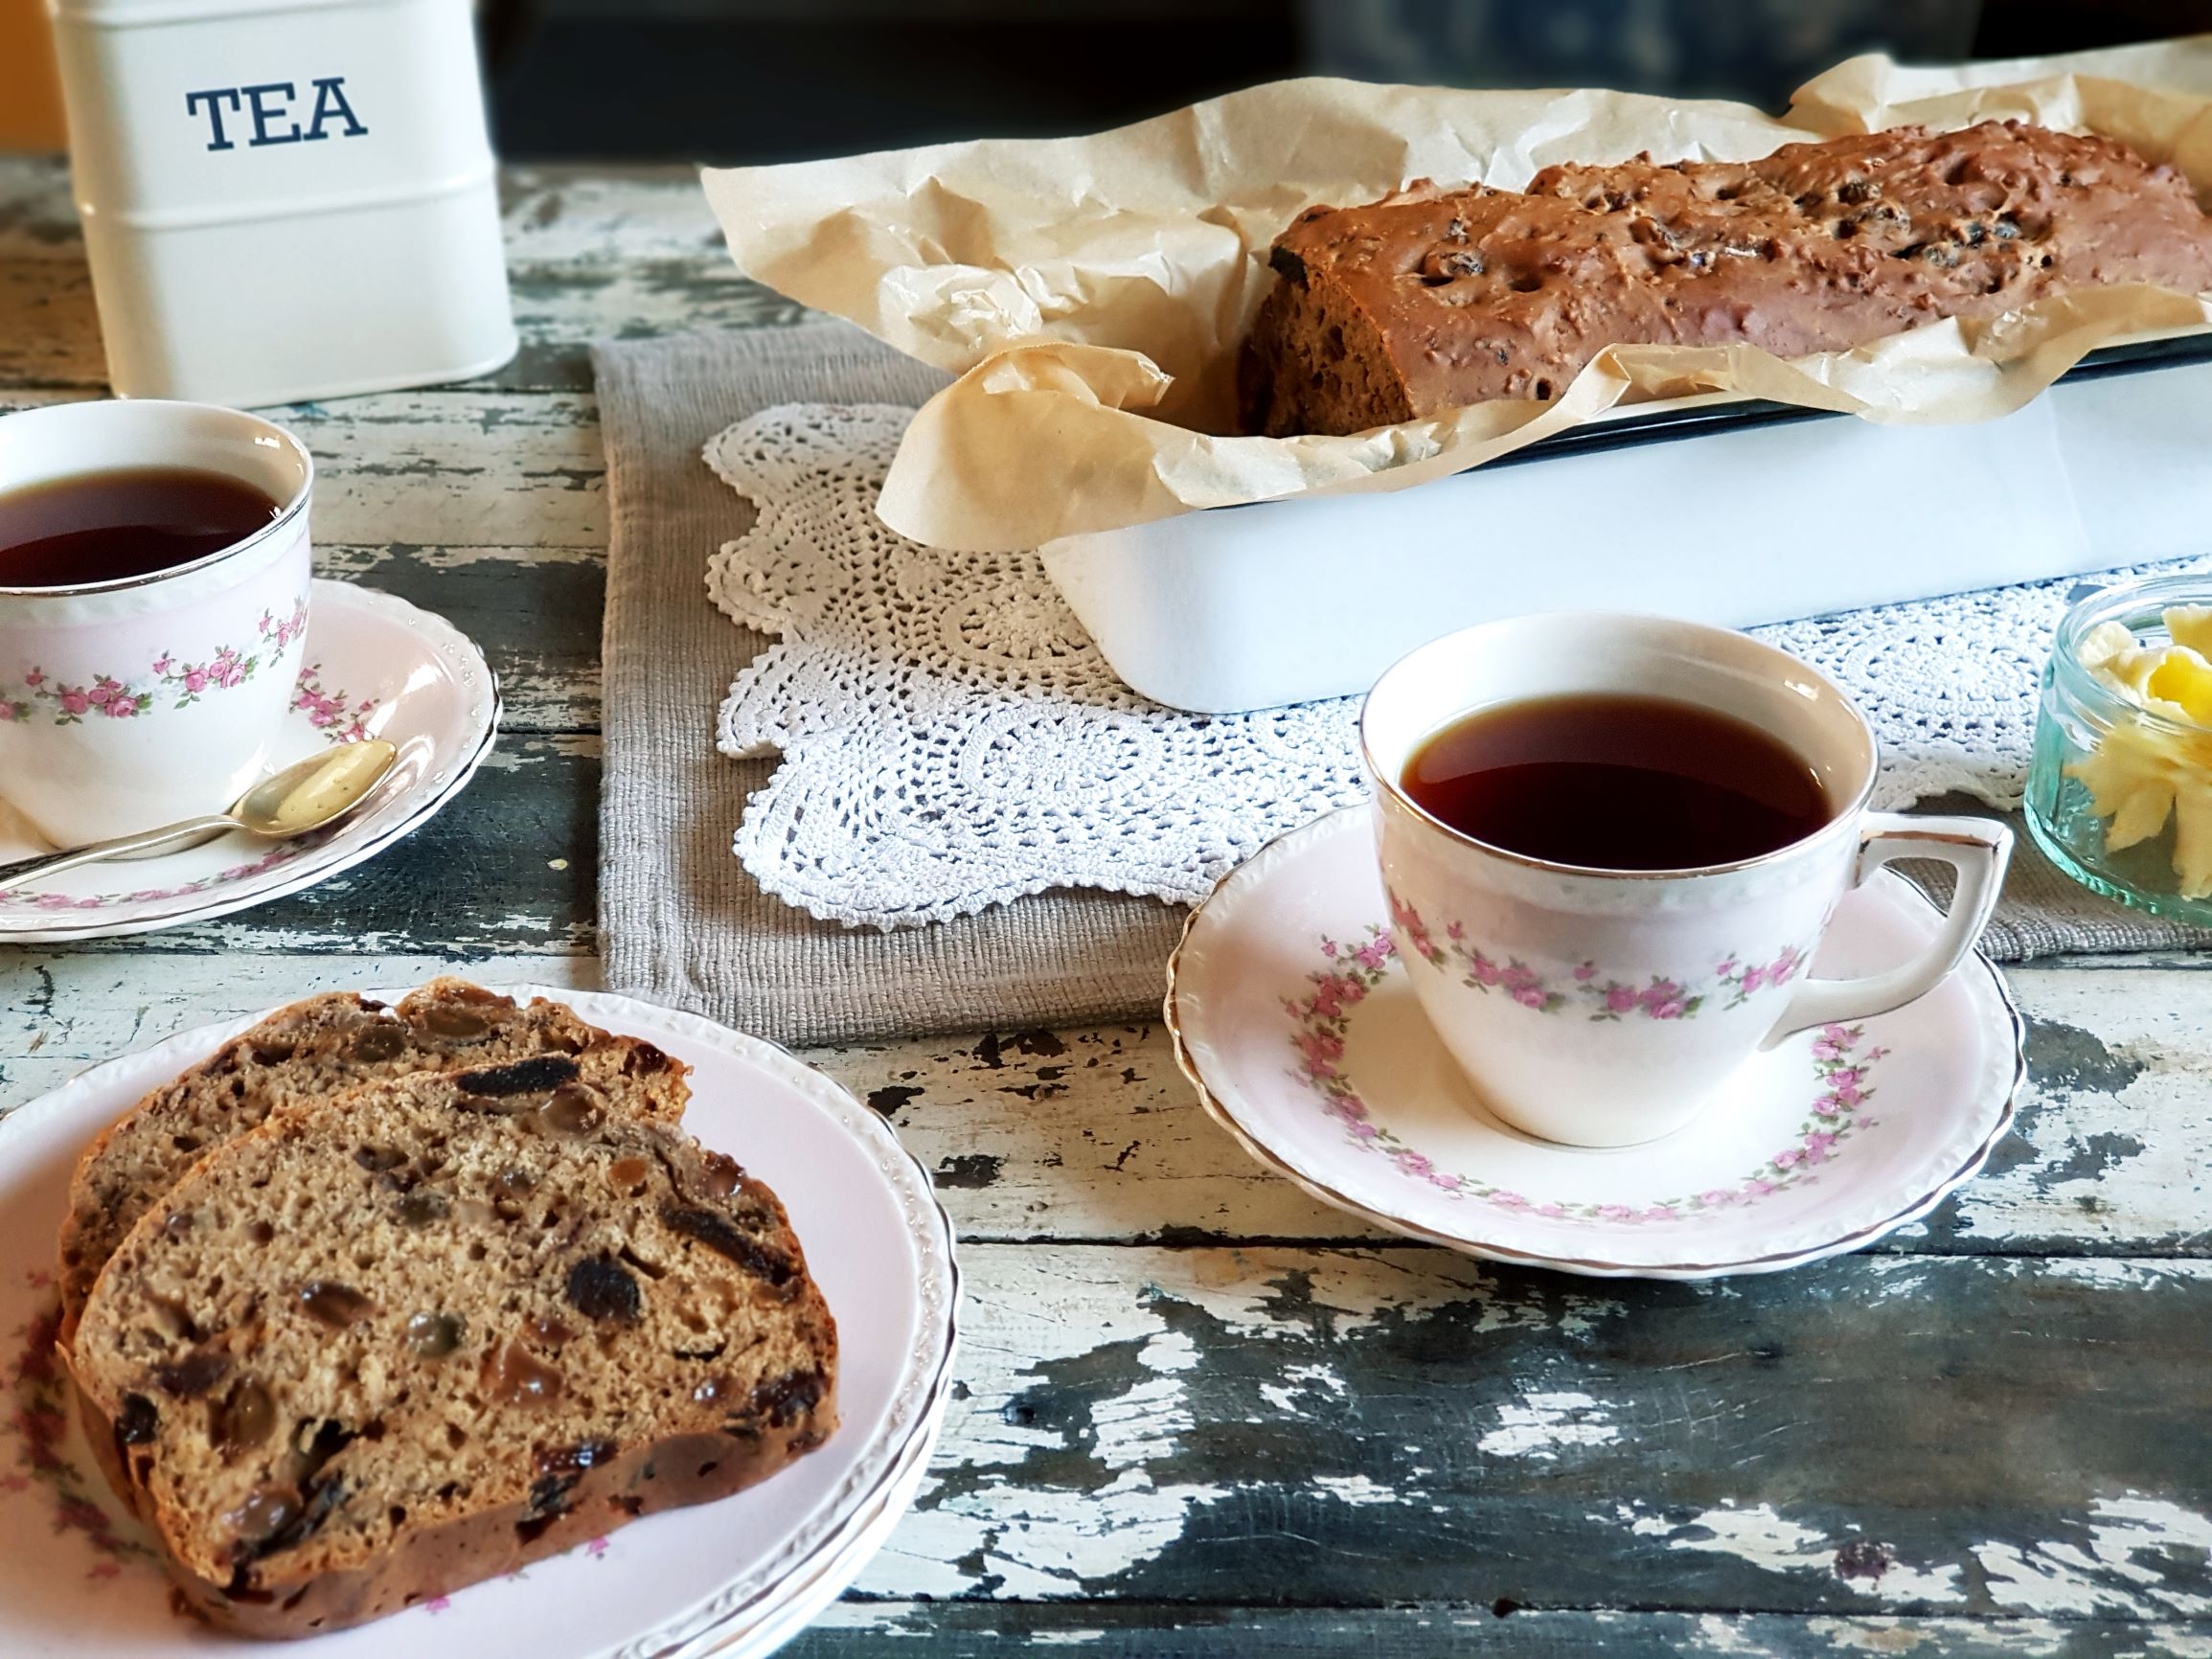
[952, 739]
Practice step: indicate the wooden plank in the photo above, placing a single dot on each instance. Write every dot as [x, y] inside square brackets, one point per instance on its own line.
[457, 468]
[554, 215]
[560, 309]
[445, 469]
[38, 216]
[1092, 1134]
[535, 612]
[1362, 1426]
[1127, 1631]
[591, 214]
[50, 330]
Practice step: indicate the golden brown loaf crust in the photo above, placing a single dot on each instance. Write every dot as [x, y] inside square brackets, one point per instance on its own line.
[311, 1048]
[395, 1341]
[1432, 299]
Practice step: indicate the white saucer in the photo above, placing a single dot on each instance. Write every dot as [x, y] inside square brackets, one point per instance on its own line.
[375, 666]
[735, 1575]
[1293, 1019]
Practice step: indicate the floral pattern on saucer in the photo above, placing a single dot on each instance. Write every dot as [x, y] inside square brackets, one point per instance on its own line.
[37, 1423]
[13, 898]
[1323, 1016]
[1608, 999]
[332, 717]
[329, 712]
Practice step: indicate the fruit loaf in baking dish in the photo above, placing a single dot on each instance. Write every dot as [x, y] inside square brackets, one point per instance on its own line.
[399, 1340]
[312, 1048]
[1433, 298]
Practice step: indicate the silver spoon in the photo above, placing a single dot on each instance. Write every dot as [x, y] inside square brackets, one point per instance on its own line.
[304, 796]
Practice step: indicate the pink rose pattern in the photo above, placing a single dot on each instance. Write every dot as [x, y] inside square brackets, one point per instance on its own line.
[110, 698]
[339, 722]
[40, 900]
[36, 1422]
[1601, 999]
[329, 712]
[1321, 1018]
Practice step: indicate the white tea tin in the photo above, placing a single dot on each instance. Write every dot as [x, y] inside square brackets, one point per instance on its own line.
[284, 199]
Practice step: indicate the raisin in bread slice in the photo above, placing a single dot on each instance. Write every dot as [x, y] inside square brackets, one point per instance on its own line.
[415, 1336]
[311, 1048]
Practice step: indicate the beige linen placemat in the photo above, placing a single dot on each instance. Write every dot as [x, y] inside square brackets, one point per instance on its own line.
[682, 922]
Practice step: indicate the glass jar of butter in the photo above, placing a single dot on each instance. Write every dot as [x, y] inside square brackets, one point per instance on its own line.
[2120, 790]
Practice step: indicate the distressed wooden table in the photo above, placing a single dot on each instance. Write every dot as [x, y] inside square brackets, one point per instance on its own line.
[1198, 1414]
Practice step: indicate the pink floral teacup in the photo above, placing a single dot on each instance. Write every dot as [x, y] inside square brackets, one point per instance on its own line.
[132, 703]
[1608, 1008]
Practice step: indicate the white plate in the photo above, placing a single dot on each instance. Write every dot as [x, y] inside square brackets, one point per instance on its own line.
[1293, 1019]
[375, 666]
[695, 1578]
[799, 1606]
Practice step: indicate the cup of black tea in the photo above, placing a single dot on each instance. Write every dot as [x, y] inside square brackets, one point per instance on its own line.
[1611, 844]
[153, 608]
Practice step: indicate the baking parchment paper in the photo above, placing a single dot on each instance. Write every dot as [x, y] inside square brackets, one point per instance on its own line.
[1091, 292]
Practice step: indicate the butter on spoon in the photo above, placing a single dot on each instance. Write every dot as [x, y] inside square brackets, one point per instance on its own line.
[305, 796]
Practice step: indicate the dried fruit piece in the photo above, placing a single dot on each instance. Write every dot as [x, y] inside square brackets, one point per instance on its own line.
[139, 1421]
[383, 1040]
[514, 1378]
[434, 1335]
[599, 1289]
[194, 1373]
[335, 1304]
[724, 1173]
[458, 1023]
[718, 1234]
[560, 1468]
[243, 1420]
[573, 1109]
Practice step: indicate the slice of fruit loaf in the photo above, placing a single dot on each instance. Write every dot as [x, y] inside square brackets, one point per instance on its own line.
[411, 1337]
[311, 1048]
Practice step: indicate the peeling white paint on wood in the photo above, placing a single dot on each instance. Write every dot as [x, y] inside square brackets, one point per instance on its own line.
[605, 214]
[1758, 1534]
[1357, 1490]
[2130, 1557]
[2135, 1556]
[1541, 1422]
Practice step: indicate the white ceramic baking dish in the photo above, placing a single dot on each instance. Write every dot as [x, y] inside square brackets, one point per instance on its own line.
[1746, 516]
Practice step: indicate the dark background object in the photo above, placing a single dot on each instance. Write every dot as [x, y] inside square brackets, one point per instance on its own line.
[756, 81]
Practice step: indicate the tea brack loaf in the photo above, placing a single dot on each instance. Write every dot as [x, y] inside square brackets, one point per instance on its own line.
[1432, 299]
[309, 1049]
[398, 1341]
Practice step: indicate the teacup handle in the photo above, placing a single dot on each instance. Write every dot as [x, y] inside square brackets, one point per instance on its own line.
[1978, 848]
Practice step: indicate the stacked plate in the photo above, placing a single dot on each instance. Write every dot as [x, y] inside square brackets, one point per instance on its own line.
[734, 1577]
